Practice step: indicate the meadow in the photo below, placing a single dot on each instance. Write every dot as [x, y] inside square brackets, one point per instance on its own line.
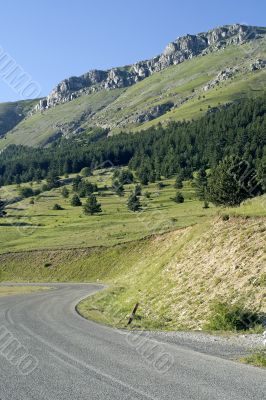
[37, 226]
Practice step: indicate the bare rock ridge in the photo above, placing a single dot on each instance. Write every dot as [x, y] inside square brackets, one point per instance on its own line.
[183, 48]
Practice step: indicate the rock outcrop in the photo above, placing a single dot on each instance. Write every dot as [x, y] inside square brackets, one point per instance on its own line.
[258, 65]
[176, 52]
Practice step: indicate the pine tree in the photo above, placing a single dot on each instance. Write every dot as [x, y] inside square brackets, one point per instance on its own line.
[2, 209]
[233, 181]
[137, 190]
[133, 202]
[201, 183]
[118, 188]
[178, 182]
[86, 171]
[75, 201]
[53, 180]
[92, 206]
[179, 198]
[65, 192]
[76, 182]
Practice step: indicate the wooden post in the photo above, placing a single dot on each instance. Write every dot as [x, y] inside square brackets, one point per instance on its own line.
[133, 314]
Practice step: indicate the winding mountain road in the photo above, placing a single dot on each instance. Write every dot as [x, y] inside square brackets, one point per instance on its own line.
[66, 357]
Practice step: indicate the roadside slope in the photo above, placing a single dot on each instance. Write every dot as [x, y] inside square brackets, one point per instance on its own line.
[174, 276]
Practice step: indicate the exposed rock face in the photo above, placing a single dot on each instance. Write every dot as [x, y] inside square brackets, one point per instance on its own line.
[176, 52]
[257, 65]
[223, 75]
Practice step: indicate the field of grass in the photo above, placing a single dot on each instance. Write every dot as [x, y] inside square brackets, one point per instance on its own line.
[35, 226]
[14, 290]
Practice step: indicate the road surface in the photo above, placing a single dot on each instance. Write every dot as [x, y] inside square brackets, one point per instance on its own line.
[60, 355]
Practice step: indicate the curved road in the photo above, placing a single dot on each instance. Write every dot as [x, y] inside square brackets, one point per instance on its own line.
[60, 355]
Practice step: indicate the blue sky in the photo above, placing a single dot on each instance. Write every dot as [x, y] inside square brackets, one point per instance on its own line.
[54, 39]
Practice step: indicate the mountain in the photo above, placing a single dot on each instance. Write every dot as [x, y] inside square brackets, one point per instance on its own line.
[195, 74]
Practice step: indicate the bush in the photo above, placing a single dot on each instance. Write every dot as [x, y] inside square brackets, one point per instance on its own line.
[65, 192]
[57, 207]
[86, 172]
[75, 201]
[206, 204]
[232, 317]
[26, 191]
[147, 195]
[179, 198]
[225, 217]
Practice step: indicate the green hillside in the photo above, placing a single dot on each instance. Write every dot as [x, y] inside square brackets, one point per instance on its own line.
[179, 92]
[12, 113]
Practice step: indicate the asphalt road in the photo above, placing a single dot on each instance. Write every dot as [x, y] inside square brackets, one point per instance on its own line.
[60, 355]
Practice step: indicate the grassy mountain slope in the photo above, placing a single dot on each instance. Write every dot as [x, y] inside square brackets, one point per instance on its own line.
[39, 129]
[183, 84]
[12, 113]
[181, 87]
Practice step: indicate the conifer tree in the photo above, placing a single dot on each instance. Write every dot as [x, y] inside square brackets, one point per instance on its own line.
[92, 206]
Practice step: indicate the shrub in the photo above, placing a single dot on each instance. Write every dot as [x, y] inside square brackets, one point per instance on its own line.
[26, 191]
[86, 172]
[225, 217]
[57, 207]
[147, 195]
[206, 204]
[65, 192]
[258, 359]
[231, 317]
[75, 201]
[47, 265]
[179, 198]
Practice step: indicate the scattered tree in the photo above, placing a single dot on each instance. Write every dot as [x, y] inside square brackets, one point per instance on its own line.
[138, 190]
[178, 182]
[65, 192]
[201, 184]
[118, 188]
[75, 201]
[133, 202]
[2, 208]
[53, 180]
[92, 206]
[26, 191]
[85, 172]
[179, 198]
[57, 207]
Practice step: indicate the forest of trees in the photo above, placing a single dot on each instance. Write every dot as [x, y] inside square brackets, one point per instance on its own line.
[179, 148]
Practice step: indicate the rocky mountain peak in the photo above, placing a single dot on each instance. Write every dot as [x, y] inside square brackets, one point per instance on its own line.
[176, 52]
